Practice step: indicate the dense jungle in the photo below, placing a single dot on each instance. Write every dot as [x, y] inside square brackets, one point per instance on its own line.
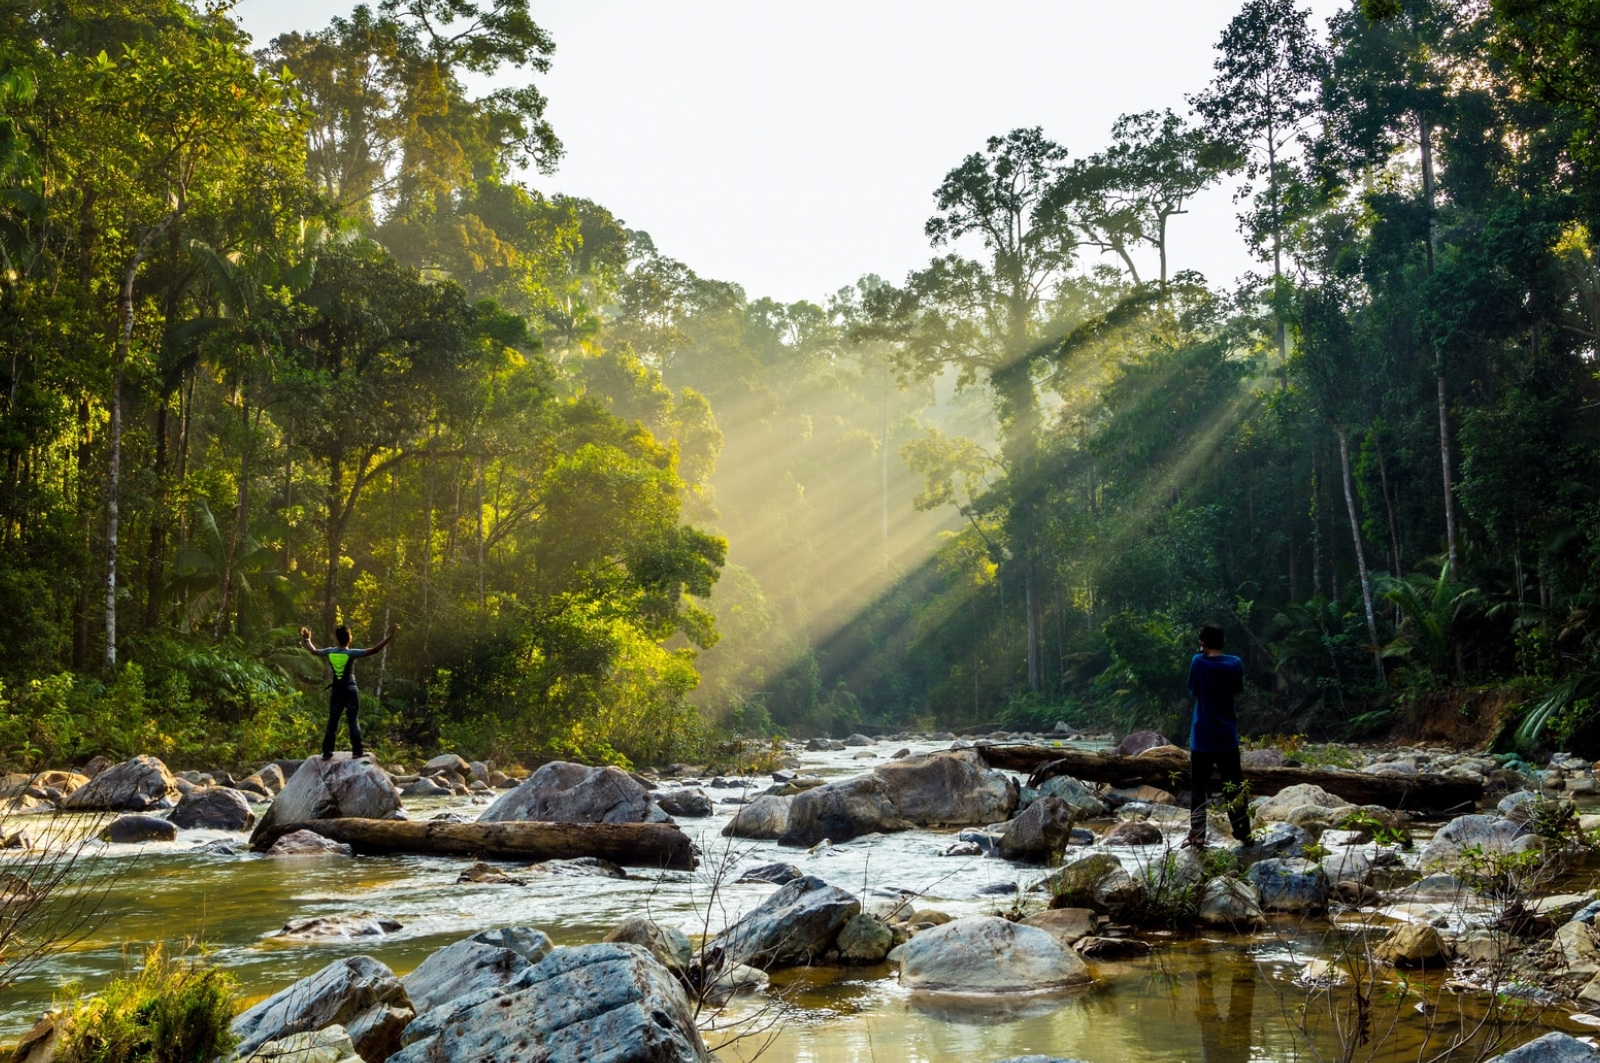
[289, 334]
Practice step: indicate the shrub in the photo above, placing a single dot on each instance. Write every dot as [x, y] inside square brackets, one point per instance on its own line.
[171, 1011]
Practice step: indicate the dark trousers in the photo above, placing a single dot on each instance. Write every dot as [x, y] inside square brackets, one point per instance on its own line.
[348, 702]
[1226, 765]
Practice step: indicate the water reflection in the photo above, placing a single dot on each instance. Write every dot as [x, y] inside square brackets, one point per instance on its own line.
[1225, 1038]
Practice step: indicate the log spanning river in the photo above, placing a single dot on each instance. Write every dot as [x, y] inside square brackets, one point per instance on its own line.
[1212, 996]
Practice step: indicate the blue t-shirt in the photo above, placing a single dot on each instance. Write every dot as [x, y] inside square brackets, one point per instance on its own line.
[341, 660]
[1214, 683]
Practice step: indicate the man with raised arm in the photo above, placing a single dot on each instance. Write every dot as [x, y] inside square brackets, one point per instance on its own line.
[342, 694]
[1215, 680]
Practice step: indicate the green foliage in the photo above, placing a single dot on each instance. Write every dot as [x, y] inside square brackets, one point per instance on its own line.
[172, 1010]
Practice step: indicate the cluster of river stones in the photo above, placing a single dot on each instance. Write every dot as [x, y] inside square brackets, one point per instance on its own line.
[1107, 861]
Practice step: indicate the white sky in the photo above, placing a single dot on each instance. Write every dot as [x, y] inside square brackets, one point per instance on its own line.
[792, 147]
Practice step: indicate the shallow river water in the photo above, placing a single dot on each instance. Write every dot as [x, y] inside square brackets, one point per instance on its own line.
[1208, 997]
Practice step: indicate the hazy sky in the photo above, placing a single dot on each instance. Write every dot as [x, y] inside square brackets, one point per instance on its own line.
[792, 147]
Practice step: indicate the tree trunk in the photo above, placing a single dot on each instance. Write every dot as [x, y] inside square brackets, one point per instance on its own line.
[155, 577]
[335, 542]
[241, 511]
[1388, 505]
[1454, 551]
[649, 845]
[1361, 551]
[1030, 587]
[1417, 793]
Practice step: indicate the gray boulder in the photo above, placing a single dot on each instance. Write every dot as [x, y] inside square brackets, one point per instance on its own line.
[988, 954]
[136, 785]
[450, 762]
[794, 926]
[533, 945]
[1289, 885]
[1077, 794]
[1468, 838]
[777, 874]
[1134, 832]
[841, 811]
[686, 803]
[593, 1003]
[351, 992]
[331, 789]
[765, 819]
[947, 789]
[345, 925]
[865, 939]
[1139, 741]
[1097, 881]
[671, 948]
[459, 969]
[129, 829]
[562, 792]
[425, 788]
[1286, 802]
[1039, 833]
[1229, 902]
[307, 843]
[1551, 1048]
[213, 808]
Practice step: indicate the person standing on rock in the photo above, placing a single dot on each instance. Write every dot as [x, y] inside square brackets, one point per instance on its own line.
[342, 694]
[1216, 679]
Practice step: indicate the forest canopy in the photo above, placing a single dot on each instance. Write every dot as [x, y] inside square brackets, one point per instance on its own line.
[289, 334]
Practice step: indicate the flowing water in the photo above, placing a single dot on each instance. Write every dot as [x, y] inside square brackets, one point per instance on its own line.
[1207, 997]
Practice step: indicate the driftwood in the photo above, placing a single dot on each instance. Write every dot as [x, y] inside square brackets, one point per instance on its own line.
[652, 845]
[1413, 793]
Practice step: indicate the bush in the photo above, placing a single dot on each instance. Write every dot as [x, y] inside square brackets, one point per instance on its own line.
[171, 1011]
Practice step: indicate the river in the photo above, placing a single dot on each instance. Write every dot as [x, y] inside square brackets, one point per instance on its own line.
[1209, 997]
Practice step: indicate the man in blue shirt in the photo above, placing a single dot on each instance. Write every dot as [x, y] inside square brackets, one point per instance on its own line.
[343, 697]
[1215, 680]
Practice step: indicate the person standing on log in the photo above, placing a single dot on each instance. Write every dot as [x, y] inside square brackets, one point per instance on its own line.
[1216, 679]
[343, 697]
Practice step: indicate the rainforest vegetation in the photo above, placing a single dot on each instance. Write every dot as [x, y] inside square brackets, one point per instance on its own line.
[289, 334]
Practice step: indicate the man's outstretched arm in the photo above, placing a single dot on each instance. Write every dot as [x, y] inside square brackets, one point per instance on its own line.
[394, 629]
[305, 639]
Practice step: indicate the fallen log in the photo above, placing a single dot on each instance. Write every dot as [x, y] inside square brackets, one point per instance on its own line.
[1423, 793]
[652, 845]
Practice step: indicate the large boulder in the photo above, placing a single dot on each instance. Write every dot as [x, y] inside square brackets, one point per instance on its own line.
[687, 803]
[671, 947]
[1411, 945]
[842, 810]
[1466, 839]
[1229, 902]
[988, 954]
[1139, 741]
[1283, 805]
[357, 992]
[947, 790]
[332, 1045]
[1551, 1048]
[865, 939]
[766, 818]
[794, 926]
[1289, 885]
[331, 789]
[1085, 802]
[308, 843]
[589, 1004]
[1097, 881]
[136, 785]
[136, 828]
[1039, 833]
[213, 808]
[562, 792]
[459, 969]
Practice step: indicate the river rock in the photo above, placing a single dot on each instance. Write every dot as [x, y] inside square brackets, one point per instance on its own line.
[128, 829]
[1139, 741]
[533, 945]
[1067, 925]
[1143, 794]
[308, 843]
[687, 803]
[1579, 948]
[331, 1045]
[213, 808]
[342, 925]
[450, 762]
[331, 789]
[464, 967]
[1133, 832]
[987, 954]
[1039, 833]
[1084, 800]
[1349, 863]
[948, 789]
[1553, 1047]
[864, 939]
[1278, 840]
[593, 1003]
[343, 993]
[579, 867]
[1229, 902]
[777, 874]
[487, 874]
[136, 785]
[1282, 805]
[671, 948]
[41, 783]
[1411, 945]
[765, 819]
[1096, 881]
[841, 811]
[562, 792]
[425, 788]
[859, 740]
[97, 764]
[1468, 838]
[794, 926]
[1289, 885]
